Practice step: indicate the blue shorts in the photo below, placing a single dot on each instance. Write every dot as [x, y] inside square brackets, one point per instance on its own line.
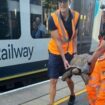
[55, 65]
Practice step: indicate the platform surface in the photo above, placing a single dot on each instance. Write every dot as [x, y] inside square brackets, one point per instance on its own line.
[39, 94]
[81, 99]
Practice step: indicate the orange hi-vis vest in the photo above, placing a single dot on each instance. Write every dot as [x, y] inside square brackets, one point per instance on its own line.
[67, 44]
[75, 17]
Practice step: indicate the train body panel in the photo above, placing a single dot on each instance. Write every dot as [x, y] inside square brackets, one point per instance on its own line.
[98, 25]
[25, 49]
[18, 52]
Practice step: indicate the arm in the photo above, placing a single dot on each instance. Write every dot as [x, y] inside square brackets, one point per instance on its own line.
[99, 51]
[55, 36]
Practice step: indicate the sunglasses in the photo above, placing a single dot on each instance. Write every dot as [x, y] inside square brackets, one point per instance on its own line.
[63, 1]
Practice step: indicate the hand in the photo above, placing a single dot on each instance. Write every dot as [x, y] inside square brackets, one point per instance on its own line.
[66, 64]
[74, 54]
[86, 68]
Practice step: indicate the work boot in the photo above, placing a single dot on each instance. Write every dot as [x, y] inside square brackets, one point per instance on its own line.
[71, 100]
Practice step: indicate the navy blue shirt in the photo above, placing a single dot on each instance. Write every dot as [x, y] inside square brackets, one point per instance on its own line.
[67, 24]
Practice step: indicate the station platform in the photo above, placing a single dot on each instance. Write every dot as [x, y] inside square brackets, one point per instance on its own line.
[38, 94]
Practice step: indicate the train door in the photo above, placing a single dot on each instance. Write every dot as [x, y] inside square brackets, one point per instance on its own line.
[86, 9]
[99, 23]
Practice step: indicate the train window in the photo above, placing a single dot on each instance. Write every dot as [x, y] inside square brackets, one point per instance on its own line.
[36, 2]
[39, 17]
[9, 19]
[86, 9]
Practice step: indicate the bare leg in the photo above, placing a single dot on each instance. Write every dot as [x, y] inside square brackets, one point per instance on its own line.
[70, 85]
[52, 92]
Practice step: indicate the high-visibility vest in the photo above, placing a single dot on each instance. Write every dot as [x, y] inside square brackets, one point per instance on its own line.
[66, 45]
[75, 17]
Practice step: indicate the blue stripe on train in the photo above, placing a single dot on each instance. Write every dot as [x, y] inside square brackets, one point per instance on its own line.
[22, 68]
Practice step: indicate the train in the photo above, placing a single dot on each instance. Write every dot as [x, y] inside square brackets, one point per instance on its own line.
[24, 57]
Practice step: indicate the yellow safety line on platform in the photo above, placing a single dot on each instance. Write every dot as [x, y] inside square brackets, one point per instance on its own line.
[67, 97]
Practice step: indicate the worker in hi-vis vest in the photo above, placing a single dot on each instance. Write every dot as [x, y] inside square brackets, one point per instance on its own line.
[96, 84]
[62, 46]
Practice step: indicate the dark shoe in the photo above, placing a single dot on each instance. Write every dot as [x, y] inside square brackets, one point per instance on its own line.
[71, 100]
